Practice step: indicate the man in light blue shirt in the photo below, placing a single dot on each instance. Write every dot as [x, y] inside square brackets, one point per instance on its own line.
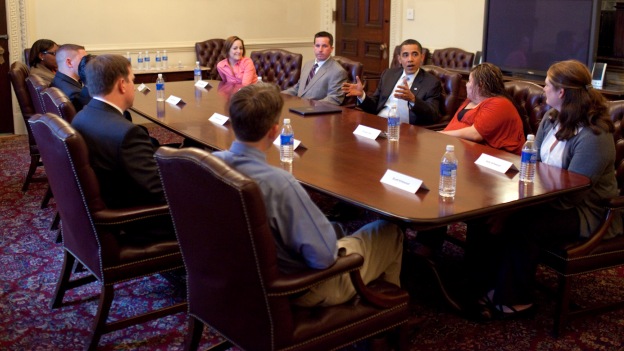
[304, 237]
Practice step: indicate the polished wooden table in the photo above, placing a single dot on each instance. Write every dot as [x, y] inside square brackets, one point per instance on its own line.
[349, 167]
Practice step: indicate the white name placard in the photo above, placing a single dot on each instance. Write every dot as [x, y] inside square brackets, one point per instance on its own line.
[174, 100]
[277, 143]
[143, 88]
[218, 119]
[401, 181]
[495, 163]
[201, 84]
[367, 132]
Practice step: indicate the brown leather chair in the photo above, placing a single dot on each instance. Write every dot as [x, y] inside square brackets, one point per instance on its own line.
[36, 85]
[55, 101]
[531, 100]
[354, 69]
[91, 231]
[18, 74]
[397, 51]
[453, 58]
[209, 53]
[27, 56]
[587, 256]
[234, 285]
[451, 84]
[278, 66]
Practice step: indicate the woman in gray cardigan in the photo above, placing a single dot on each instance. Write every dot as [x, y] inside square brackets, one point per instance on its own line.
[577, 135]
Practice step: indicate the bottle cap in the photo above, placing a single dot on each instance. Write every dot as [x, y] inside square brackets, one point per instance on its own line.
[450, 148]
[286, 120]
[530, 137]
[197, 62]
[159, 75]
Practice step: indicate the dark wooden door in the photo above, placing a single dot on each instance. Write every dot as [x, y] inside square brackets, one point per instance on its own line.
[363, 34]
[6, 109]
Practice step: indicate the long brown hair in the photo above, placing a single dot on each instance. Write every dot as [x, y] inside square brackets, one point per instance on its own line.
[582, 105]
[229, 42]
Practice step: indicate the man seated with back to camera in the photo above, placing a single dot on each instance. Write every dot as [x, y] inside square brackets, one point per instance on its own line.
[304, 237]
[416, 93]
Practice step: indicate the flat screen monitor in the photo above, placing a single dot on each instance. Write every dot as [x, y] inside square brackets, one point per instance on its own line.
[524, 37]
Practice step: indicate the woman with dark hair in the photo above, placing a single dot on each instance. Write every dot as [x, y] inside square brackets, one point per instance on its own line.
[42, 59]
[577, 135]
[84, 93]
[236, 68]
[488, 115]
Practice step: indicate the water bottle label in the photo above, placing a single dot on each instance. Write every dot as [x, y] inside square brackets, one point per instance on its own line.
[287, 139]
[140, 60]
[197, 72]
[394, 121]
[448, 169]
[160, 86]
[530, 157]
[147, 59]
[165, 58]
[157, 59]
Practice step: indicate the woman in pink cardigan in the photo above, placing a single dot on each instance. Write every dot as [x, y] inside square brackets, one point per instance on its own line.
[236, 68]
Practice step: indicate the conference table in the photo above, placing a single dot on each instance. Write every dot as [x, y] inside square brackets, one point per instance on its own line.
[349, 167]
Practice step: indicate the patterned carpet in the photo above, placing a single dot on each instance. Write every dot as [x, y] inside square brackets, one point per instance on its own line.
[31, 261]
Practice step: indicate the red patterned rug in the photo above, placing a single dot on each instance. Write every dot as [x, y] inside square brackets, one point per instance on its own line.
[31, 261]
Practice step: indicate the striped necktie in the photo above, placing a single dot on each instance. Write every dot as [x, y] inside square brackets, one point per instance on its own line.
[311, 75]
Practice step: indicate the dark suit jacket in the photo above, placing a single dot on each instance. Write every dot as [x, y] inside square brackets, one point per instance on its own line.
[72, 89]
[426, 87]
[121, 155]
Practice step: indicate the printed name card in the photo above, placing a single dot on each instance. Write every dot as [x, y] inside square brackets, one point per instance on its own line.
[401, 181]
[201, 84]
[494, 163]
[174, 100]
[367, 132]
[277, 142]
[143, 88]
[218, 119]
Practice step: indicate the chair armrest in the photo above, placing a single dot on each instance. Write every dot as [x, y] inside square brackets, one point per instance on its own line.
[114, 217]
[614, 207]
[377, 298]
[295, 283]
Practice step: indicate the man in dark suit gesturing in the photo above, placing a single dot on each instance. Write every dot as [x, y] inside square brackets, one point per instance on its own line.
[416, 93]
[120, 152]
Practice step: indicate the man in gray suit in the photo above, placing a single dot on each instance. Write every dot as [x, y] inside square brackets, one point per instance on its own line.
[322, 79]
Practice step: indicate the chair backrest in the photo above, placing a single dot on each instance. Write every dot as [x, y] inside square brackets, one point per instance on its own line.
[55, 101]
[18, 74]
[36, 85]
[278, 66]
[451, 83]
[354, 69]
[227, 246]
[452, 58]
[397, 50]
[27, 56]
[616, 111]
[74, 184]
[530, 98]
[209, 53]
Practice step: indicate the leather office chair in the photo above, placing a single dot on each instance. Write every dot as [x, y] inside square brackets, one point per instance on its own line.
[453, 58]
[209, 53]
[18, 74]
[531, 100]
[281, 67]
[36, 85]
[587, 256]
[451, 84]
[91, 232]
[55, 101]
[397, 51]
[27, 56]
[234, 285]
[354, 69]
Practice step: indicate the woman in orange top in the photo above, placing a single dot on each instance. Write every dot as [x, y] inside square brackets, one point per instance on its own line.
[488, 115]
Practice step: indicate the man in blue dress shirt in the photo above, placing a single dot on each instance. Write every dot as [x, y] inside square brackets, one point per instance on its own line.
[304, 237]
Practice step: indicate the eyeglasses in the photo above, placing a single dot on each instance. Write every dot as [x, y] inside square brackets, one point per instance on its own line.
[49, 53]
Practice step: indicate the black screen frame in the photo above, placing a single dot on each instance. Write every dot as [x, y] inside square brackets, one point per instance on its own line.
[536, 73]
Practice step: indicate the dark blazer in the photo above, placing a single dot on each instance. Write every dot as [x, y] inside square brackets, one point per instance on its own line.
[121, 155]
[72, 88]
[426, 87]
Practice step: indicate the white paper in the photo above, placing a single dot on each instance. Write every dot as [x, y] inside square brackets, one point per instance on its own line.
[494, 163]
[367, 132]
[296, 144]
[401, 181]
[173, 100]
[218, 118]
[141, 87]
[201, 84]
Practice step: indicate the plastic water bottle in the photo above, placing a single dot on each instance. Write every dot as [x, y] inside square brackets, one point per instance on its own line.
[529, 158]
[259, 79]
[394, 124]
[146, 61]
[140, 61]
[158, 60]
[160, 88]
[287, 142]
[129, 57]
[197, 74]
[448, 173]
[165, 60]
